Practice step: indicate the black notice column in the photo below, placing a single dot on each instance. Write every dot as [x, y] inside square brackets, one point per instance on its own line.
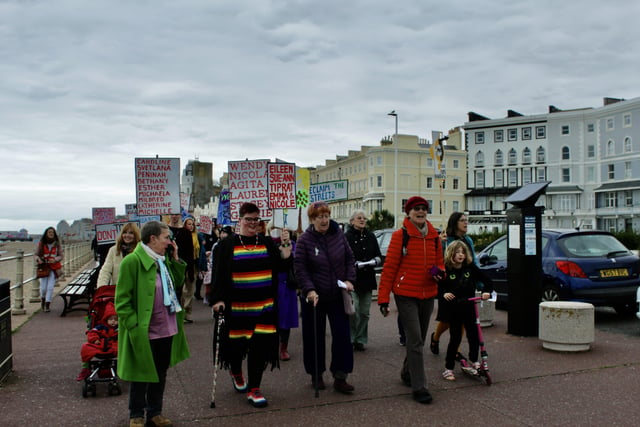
[524, 269]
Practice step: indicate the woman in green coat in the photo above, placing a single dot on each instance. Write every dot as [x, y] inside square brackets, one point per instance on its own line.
[151, 319]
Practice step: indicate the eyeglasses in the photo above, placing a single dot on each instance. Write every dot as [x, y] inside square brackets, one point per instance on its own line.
[420, 208]
[251, 219]
[323, 216]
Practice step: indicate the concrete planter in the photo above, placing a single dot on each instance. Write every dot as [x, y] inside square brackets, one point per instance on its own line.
[566, 326]
[487, 312]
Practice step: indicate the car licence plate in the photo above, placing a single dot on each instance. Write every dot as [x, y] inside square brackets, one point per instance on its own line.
[614, 272]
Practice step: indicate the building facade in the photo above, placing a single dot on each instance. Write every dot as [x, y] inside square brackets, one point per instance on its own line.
[197, 181]
[589, 155]
[384, 177]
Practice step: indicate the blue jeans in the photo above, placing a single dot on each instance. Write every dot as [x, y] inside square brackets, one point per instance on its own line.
[46, 286]
[149, 396]
[415, 314]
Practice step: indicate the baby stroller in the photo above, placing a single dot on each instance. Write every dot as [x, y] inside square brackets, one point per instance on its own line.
[102, 358]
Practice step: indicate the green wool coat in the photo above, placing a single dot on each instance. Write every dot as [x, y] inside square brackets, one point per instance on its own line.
[135, 294]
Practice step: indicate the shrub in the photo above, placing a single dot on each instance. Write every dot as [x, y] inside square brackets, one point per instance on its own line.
[484, 239]
[629, 239]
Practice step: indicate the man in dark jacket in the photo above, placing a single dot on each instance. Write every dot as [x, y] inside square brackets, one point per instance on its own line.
[183, 239]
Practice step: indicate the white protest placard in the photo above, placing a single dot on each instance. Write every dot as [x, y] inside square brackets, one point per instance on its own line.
[185, 199]
[248, 181]
[145, 219]
[157, 185]
[108, 233]
[103, 215]
[131, 210]
[330, 191]
[282, 185]
[206, 224]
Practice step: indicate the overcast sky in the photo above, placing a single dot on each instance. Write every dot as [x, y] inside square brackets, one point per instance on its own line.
[87, 86]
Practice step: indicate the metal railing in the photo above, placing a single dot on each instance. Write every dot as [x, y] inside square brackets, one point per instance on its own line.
[76, 255]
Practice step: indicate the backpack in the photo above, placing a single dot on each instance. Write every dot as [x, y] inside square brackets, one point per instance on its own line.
[405, 241]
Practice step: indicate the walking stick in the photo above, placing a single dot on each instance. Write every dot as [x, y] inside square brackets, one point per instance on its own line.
[219, 321]
[315, 350]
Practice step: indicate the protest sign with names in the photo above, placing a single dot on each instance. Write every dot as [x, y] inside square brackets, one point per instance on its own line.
[103, 215]
[248, 181]
[282, 185]
[157, 185]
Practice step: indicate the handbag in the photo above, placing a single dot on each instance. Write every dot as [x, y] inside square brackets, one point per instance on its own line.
[42, 270]
[349, 309]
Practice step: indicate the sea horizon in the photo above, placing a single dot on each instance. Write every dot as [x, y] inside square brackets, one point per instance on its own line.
[33, 226]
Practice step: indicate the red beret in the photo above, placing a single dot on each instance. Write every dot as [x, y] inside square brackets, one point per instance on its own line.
[413, 202]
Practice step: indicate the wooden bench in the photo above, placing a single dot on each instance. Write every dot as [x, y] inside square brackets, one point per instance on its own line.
[78, 293]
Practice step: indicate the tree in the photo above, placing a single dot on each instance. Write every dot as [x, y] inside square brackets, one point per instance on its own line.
[380, 219]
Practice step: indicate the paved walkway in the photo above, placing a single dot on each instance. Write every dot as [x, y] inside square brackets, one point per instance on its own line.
[532, 386]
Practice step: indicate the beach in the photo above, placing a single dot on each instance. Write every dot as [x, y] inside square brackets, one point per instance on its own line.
[8, 267]
[8, 270]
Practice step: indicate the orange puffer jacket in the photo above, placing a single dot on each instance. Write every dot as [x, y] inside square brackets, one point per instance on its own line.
[408, 275]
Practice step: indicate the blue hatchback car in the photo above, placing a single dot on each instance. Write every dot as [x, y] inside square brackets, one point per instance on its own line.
[588, 266]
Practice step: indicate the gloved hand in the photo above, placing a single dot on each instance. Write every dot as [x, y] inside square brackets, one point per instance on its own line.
[384, 308]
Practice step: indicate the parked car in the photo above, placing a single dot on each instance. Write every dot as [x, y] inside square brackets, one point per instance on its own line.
[384, 238]
[588, 266]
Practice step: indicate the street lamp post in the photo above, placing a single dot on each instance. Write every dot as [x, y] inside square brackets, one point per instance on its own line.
[395, 180]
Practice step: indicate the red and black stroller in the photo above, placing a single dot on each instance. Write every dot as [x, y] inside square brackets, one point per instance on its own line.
[100, 351]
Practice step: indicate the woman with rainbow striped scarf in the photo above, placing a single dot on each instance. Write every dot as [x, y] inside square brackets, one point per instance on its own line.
[245, 288]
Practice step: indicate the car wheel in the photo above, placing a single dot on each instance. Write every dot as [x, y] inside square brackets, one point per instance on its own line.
[550, 293]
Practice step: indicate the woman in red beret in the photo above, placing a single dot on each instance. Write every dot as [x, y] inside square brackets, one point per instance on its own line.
[411, 270]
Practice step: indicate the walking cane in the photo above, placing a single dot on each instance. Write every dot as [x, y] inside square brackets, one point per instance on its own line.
[315, 350]
[219, 321]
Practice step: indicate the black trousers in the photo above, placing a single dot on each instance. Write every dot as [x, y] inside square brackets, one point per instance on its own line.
[149, 396]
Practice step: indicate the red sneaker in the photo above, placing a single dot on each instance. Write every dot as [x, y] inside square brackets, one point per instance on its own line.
[238, 382]
[255, 398]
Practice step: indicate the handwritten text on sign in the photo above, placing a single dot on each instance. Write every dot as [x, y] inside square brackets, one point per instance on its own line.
[157, 186]
[248, 183]
[103, 215]
[330, 191]
[108, 233]
[282, 185]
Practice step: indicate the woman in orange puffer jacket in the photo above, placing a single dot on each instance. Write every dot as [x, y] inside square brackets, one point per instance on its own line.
[411, 272]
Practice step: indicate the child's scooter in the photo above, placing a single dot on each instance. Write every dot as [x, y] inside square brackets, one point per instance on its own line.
[467, 368]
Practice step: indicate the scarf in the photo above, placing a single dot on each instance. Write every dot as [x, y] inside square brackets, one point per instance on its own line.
[168, 292]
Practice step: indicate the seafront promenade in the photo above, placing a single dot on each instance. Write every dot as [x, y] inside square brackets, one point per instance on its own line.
[532, 386]
[25, 302]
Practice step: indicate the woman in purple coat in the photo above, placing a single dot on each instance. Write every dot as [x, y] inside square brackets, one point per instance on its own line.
[322, 259]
